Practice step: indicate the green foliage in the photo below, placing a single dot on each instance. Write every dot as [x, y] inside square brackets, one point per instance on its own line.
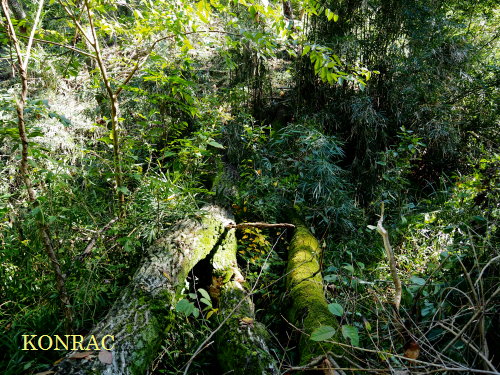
[384, 100]
[298, 166]
[188, 308]
[396, 165]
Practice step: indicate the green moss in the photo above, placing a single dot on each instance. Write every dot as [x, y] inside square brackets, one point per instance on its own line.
[240, 353]
[308, 307]
[240, 345]
[146, 346]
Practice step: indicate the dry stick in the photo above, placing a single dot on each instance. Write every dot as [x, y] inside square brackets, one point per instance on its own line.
[444, 368]
[42, 227]
[66, 46]
[260, 225]
[472, 346]
[313, 363]
[486, 266]
[477, 305]
[392, 260]
[473, 319]
[92, 243]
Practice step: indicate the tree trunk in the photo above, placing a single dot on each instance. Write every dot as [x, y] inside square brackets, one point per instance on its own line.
[17, 9]
[308, 307]
[242, 342]
[43, 229]
[144, 311]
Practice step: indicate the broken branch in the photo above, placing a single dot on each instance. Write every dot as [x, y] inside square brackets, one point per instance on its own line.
[260, 225]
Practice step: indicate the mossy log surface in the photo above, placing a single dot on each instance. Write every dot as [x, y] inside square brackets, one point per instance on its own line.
[242, 343]
[308, 306]
[144, 311]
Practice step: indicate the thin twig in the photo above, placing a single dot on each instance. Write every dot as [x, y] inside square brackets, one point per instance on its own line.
[74, 49]
[92, 243]
[472, 346]
[444, 368]
[260, 225]
[473, 319]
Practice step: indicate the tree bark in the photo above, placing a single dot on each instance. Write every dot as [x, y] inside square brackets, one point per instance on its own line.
[17, 9]
[242, 343]
[308, 306]
[144, 311]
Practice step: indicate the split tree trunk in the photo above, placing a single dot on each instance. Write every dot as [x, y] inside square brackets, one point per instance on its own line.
[308, 306]
[144, 311]
[242, 342]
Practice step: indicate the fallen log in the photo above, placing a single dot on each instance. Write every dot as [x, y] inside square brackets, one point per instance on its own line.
[144, 311]
[242, 343]
[308, 308]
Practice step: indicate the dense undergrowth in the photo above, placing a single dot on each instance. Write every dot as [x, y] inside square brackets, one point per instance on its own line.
[349, 105]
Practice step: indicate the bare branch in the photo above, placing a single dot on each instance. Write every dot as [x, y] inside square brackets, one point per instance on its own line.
[32, 34]
[82, 52]
[392, 261]
[260, 225]
[92, 243]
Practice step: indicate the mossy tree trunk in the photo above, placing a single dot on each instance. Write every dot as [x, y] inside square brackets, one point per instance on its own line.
[144, 311]
[308, 306]
[242, 342]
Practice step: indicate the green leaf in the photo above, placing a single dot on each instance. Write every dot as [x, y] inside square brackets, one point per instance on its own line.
[330, 278]
[306, 50]
[184, 306]
[335, 17]
[36, 212]
[123, 190]
[367, 324]
[206, 301]
[351, 333]
[417, 280]
[329, 14]
[204, 293]
[211, 312]
[349, 268]
[336, 309]
[322, 333]
[216, 144]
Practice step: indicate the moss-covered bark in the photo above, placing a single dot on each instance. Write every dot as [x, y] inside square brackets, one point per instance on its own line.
[308, 307]
[241, 343]
[143, 312]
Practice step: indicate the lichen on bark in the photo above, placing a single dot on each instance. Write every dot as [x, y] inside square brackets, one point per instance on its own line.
[144, 311]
